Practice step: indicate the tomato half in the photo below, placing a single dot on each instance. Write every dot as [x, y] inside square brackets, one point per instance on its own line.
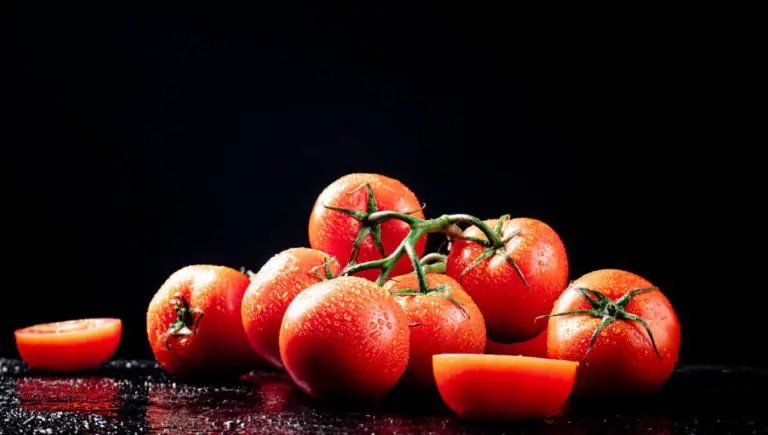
[503, 387]
[536, 347]
[345, 338]
[335, 232]
[69, 346]
[508, 305]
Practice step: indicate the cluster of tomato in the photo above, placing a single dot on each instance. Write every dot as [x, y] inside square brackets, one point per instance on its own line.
[494, 326]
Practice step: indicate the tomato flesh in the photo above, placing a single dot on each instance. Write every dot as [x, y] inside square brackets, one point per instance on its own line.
[70, 345]
[503, 387]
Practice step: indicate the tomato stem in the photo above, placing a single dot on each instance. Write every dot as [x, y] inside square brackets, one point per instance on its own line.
[187, 319]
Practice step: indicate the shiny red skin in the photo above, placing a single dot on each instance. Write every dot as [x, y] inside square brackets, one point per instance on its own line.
[270, 292]
[334, 232]
[345, 338]
[438, 326]
[622, 360]
[509, 308]
[219, 344]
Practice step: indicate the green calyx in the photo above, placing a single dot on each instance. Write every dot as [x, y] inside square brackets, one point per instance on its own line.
[187, 319]
[609, 311]
[327, 272]
[441, 290]
[367, 227]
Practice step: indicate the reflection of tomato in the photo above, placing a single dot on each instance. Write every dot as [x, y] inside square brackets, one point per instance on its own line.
[334, 232]
[502, 386]
[536, 347]
[69, 346]
[194, 323]
[273, 288]
[622, 359]
[345, 338]
[509, 307]
[438, 324]
[89, 395]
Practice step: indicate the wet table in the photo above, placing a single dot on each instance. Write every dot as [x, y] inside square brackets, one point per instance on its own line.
[138, 397]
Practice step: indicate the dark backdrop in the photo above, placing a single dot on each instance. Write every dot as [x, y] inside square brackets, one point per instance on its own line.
[143, 141]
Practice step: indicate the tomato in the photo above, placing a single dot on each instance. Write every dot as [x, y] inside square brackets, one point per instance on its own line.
[509, 306]
[536, 347]
[335, 232]
[443, 321]
[194, 323]
[273, 288]
[622, 358]
[69, 346]
[345, 338]
[503, 387]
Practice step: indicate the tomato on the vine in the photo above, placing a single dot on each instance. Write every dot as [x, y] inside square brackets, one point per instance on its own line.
[194, 323]
[337, 223]
[622, 327]
[513, 283]
[345, 338]
[443, 320]
[273, 288]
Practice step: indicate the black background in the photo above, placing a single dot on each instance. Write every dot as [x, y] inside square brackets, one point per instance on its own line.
[143, 141]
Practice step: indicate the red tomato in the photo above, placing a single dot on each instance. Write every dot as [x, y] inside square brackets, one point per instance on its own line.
[69, 346]
[503, 387]
[335, 232]
[535, 347]
[194, 323]
[508, 305]
[622, 359]
[345, 338]
[273, 288]
[445, 321]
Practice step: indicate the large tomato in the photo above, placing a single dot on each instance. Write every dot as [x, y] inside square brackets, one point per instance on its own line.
[509, 306]
[445, 320]
[193, 321]
[335, 232]
[273, 288]
[607, 331]
[345, 338]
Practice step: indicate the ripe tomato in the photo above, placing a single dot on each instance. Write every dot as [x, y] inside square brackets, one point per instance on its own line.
[443, 321]
[344, 338]
[335, 232]
[194, 323]
[69, 346]
[273, 288]
[509, 306]
[535, 347]
[503, 387]
[622, 358]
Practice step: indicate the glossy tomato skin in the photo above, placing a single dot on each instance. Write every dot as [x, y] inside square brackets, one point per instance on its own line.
[272, 289]
[334, 232]
[437, 326]
[622, 360]
[503, 387]
[509, 308]
[69, 346]
[219, 343]
[345, 338]
[534, 347]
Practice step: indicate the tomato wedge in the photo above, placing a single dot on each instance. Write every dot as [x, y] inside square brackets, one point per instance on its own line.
[503, 387]
[70, 345]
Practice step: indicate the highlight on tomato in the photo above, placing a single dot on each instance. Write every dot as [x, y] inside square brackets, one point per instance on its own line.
[338, 227]
[194, 322]
[69, 346]
[536, 347]
[442, 320]
[513, 280]
[273, 288]
[623, 329]
[345, 338]
[503, 387]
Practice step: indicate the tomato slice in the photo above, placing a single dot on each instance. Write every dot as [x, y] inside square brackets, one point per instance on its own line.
[503, 387]
[69, 346]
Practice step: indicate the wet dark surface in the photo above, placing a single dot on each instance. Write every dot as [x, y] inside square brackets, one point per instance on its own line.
[137, 397]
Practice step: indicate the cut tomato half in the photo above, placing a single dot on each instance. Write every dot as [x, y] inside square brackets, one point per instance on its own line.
[69, 346]
[503, 387]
